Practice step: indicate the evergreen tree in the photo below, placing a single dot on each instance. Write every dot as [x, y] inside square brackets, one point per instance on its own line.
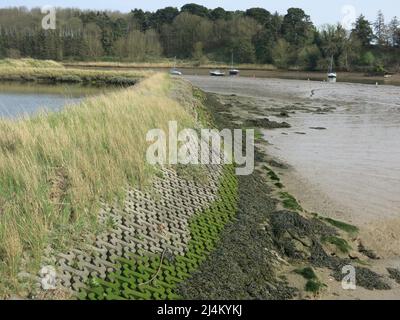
[296, 27]
[363, 31]
[196, 32]
[196, 10]
[261, 15]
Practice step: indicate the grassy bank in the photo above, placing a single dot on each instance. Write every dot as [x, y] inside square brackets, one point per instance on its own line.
[53, 72]
[29, 63]
[60, 75]
[55, 168]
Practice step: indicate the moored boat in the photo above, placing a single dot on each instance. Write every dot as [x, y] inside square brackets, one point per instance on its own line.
[217, 73]
[174, 71]
[332, 76]
[233, 71]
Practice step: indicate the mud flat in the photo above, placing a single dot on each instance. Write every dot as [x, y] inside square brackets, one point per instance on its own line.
[347, 169]
[350, 167]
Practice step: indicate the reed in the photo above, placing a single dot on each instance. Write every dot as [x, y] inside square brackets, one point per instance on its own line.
[29, 63]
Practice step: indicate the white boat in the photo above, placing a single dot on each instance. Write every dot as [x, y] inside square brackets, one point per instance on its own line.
[217, 73]
[175, 71]
[332, 76]
[233, 71]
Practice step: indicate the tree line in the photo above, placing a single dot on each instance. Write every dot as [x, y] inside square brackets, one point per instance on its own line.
[200, 34]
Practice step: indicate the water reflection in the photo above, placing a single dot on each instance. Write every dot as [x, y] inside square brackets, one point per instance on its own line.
[356, 160]
[17, 100]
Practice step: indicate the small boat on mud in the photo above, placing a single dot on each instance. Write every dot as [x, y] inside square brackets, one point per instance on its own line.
[233, 71]
[174, 71]
[332, 76]
[217, 73]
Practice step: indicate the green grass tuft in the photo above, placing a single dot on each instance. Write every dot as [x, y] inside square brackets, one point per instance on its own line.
[290, 202]
[340, 243]
[273, 176]
[258, 135]
[279, 185]
[314, 286]
[341, 225]
[307, 272]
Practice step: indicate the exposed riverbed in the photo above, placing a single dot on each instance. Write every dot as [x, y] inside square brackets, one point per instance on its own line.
[343, 148]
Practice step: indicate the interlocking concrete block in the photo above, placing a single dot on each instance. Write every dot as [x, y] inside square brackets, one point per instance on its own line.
[149, 224]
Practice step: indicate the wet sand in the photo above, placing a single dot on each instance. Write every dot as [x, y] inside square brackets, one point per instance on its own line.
[349, 168]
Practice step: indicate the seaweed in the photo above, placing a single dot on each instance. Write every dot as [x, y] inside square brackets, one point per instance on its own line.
[290, 202]
[341, 225]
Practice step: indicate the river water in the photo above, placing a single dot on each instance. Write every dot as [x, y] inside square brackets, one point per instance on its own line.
[17, 100]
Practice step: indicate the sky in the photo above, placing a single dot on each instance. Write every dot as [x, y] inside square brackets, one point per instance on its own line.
[321, 11]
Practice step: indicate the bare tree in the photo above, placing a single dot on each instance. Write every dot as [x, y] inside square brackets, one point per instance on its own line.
[394, 32]
[381, 31]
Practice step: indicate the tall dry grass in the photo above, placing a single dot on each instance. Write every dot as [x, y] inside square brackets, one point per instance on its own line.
[55, 167]
[29, 63]
[17, 73]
